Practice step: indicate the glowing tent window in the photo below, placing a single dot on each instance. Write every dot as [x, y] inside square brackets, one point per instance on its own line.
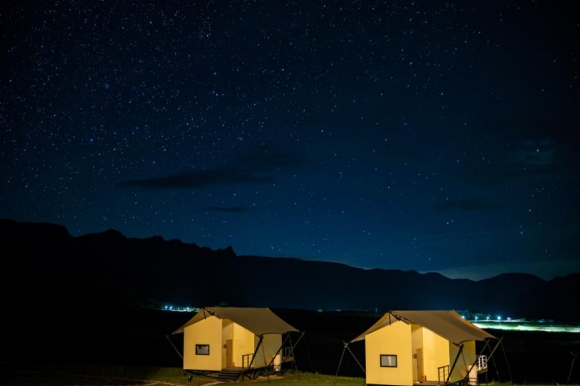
[388, 361]
[202, 349]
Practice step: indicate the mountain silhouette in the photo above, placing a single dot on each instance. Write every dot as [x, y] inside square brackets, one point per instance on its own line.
[48, 269]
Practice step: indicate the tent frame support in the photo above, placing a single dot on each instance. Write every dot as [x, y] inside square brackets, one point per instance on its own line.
[270, 365]
[490, 356]
[175, 348]
[355, 358]
[454, 363]
[292, 346]
[253, 357]
[487, 345]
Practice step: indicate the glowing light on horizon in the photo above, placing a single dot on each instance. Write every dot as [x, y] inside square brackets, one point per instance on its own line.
[513, 326]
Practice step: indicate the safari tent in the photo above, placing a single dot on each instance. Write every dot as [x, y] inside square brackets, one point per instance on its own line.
[235, 340]
[409, 347]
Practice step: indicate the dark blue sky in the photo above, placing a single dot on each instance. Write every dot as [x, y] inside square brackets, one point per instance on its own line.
[434, 136]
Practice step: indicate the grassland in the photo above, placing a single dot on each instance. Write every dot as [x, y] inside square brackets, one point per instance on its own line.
[71, 375]
[42, 375]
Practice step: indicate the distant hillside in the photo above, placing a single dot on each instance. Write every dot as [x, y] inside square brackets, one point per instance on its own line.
[51, 268]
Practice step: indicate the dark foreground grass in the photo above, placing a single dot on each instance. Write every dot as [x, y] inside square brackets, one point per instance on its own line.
[99, 375]
[55, 375]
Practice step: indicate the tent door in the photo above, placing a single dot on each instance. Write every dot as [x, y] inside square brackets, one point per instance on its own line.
[230, 353]
[420, 372]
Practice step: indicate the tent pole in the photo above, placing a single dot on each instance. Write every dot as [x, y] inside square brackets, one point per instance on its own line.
[340, 362]
[571, 366]
[307, 353]
[279, 348]
[454, 363]
[178, 353]
[254, 355]
[500, 341]
[506, 361]
[293, 346]
[476, 357]
[351, 353]
[265, 365]
[495, 348]
[293, 365]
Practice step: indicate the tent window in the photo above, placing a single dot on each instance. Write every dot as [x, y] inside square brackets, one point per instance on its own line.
[202, 349]
[388, 361]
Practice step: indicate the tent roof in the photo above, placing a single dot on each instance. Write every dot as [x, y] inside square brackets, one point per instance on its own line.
[260, 321]
[447, 324]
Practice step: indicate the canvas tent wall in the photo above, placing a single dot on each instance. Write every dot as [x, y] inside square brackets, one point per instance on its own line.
[217, 338]
[406, 347]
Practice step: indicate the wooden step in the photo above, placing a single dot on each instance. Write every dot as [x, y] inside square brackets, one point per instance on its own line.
[229, 375]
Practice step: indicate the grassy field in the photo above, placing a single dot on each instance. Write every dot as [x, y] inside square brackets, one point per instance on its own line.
[65, 375]
[41, 375]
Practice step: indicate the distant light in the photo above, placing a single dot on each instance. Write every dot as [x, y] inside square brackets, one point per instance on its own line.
[499, 318]
[530, 326]
[487, 318]
[462, 317]
[476, 318]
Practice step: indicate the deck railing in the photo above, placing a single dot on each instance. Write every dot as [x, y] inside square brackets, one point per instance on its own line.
[482, 363]
[246, 360]
[287, 354]
[442, 374]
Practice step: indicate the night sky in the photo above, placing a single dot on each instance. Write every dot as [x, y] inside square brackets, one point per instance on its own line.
[411, 135]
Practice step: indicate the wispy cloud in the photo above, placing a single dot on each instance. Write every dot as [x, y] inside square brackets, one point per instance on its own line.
[199, 179]
[250, 168]
[511, 160]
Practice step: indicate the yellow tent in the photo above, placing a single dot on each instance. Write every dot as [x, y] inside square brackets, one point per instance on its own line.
[407, 347]
[234, 340]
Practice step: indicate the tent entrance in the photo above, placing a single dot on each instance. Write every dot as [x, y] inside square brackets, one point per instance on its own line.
[230, 353]
[420, 364]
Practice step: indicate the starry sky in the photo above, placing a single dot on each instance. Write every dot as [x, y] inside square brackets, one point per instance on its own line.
[413, 135]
